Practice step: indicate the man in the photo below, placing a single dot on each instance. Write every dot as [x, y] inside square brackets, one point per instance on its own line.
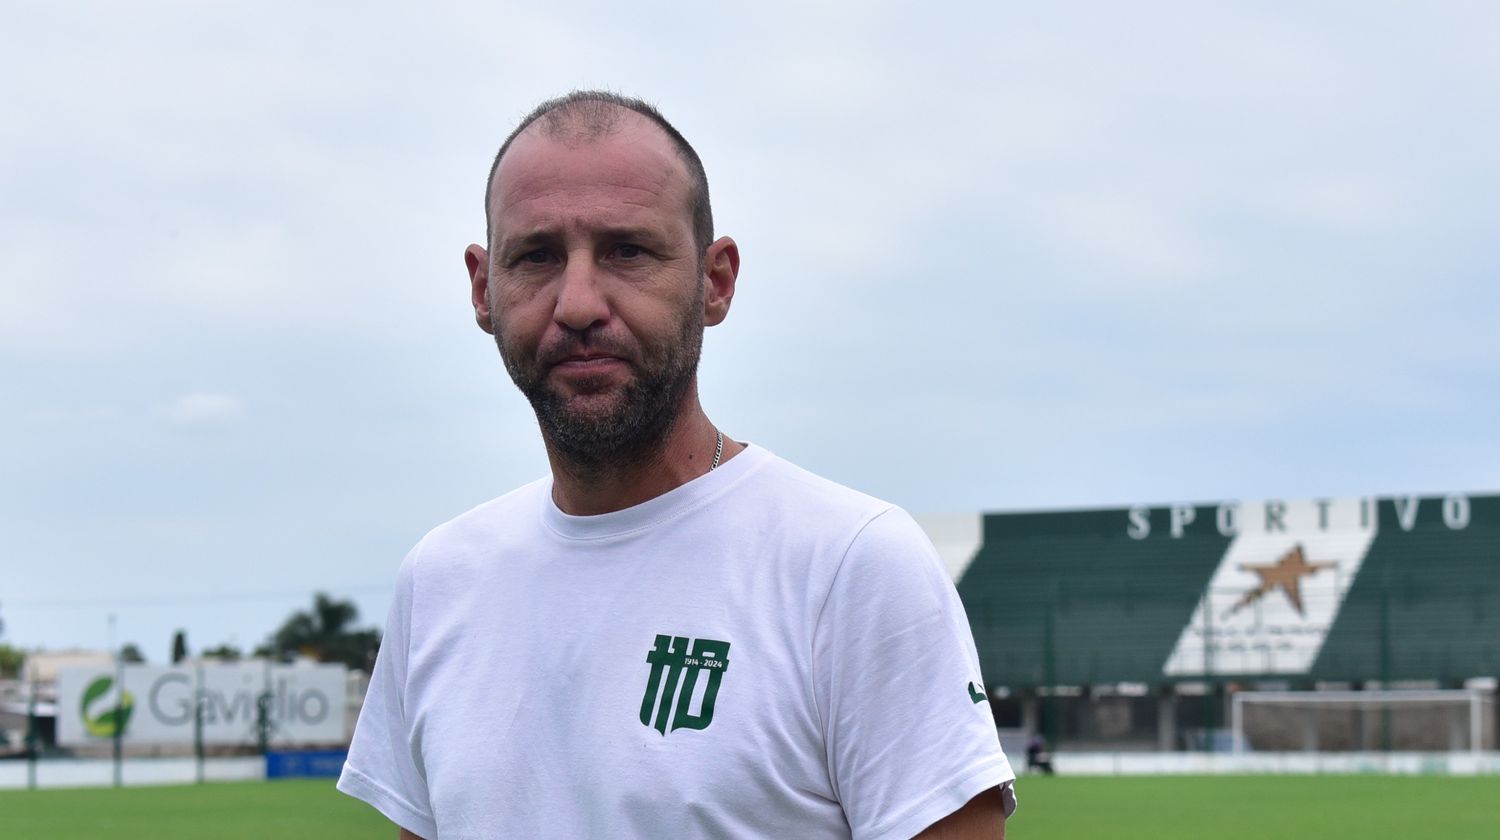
[1037, 757]
[676, 634]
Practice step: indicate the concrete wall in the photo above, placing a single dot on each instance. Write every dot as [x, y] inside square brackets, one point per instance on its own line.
[90, 772]
[1291, 763]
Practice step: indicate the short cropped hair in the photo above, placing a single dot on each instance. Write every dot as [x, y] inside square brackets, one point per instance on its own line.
[589, 114]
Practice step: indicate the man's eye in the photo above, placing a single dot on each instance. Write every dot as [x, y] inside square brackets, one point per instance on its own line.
[535, 257]
[628, 252]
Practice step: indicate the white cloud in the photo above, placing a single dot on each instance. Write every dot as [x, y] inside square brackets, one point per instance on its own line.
[1134, 234]
[203, 409]
[1338, 202]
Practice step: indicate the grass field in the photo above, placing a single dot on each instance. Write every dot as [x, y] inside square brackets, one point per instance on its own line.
[1160, 808]
[216, 811]
[1243, 807]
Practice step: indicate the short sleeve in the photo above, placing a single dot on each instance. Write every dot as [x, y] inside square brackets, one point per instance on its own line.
[384, 766]
[909, 732]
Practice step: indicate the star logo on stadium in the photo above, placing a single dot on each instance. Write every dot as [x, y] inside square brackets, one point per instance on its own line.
[1285, 574]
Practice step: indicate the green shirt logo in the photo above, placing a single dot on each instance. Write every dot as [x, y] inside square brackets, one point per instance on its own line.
[674, 675]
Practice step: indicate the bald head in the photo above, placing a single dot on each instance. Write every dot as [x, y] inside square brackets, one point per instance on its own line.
[586, 116]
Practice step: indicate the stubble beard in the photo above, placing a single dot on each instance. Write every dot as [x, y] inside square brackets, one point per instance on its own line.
[628, 430]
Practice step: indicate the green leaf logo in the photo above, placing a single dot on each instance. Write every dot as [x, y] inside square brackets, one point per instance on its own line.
[103, 715]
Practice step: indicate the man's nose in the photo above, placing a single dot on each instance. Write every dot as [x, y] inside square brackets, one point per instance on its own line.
[580, 300]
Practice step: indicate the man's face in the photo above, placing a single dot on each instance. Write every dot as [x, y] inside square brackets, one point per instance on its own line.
[593, 287]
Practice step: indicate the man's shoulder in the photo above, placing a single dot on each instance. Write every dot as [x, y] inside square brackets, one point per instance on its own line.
[883, 537]
[814, 498]
[509, 514]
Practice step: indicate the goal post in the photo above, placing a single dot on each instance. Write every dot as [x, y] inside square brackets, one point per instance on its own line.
[1446, 720]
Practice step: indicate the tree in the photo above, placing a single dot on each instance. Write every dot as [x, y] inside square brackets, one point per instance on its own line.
[131, 652]
[225, 652]
[179, 646]
[325, 633]
[11, 660]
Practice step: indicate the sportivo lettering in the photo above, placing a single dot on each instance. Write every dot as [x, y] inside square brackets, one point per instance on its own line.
[1232, 518]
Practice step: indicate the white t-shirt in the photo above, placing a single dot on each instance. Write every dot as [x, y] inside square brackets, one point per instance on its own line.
[757, 653]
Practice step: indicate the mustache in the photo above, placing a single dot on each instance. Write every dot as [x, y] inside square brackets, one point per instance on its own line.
[584, 344]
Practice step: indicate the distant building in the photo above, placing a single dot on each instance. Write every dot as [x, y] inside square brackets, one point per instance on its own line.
[43, 666]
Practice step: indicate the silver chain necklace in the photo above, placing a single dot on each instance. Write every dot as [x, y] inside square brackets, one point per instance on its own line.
[718, 450]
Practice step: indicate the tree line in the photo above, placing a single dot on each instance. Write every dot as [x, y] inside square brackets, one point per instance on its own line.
[327, 633]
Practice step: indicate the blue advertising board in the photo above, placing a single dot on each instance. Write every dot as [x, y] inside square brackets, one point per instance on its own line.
[305, 764]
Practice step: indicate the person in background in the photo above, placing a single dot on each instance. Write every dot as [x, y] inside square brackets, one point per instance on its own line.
[1037, 756]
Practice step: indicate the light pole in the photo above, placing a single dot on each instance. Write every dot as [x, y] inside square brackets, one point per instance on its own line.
[119, 727]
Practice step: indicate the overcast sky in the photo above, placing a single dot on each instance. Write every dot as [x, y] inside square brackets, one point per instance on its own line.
[995, 256]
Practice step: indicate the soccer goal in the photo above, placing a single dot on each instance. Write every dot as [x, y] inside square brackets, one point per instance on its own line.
[1357, 721]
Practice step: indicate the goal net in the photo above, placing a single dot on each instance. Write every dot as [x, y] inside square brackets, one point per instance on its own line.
[1345, 721]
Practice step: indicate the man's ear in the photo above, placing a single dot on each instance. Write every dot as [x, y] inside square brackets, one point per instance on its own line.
[478, 263]
[721, 266]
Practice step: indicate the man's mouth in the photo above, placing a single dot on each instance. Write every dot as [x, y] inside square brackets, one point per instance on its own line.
[587, 363]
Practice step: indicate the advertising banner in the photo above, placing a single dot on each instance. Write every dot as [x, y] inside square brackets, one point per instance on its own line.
[145, 704]
[305, 764]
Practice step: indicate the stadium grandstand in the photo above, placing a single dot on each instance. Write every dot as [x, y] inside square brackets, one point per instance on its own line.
[1322, 625]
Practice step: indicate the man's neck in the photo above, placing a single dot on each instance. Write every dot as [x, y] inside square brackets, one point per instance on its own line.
[686, 453]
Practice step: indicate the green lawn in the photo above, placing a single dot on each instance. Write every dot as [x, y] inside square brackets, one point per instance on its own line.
[1244, 807]
[1159, 808]
[214, 811]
